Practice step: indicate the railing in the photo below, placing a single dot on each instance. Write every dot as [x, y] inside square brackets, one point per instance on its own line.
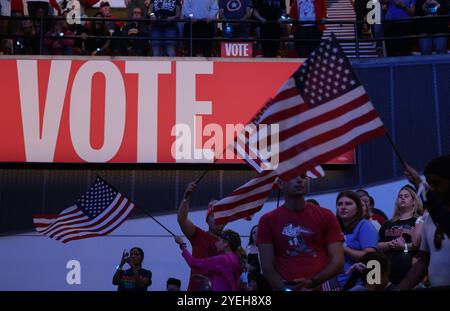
[43, 22]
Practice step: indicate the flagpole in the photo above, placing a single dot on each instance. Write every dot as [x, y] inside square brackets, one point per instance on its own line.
[397, 153]
[278, 197]
[150, 215]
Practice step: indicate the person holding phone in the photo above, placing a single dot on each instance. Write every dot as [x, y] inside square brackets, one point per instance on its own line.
[136, 278]
[396, 234]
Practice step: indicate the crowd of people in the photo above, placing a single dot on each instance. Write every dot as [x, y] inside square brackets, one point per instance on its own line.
[162, 27]
[302, 246]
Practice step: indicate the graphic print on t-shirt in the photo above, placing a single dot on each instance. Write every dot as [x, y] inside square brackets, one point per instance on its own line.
[296, 240]
[234, 5]
[397, 231]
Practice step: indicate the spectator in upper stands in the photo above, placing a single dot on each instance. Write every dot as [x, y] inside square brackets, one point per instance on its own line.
[26, 42]
[11, 8]
[435, 243]
[84, 4]
[111, 26]
[304, 11]
[300, 244]
[141, 4]
[361, 12]
[5, 8]
[173, 285]
[56, 42]
[164, 13]
[81, 30]
[432, 26]
[235, 10]
[133, 29]
[396, 10]
[396, 234]
[224, 269]
[136, 278]
[203, 242]
[97, 45]
[269, 13]
[361, 237]
[202, 14]
[374, 213]
[34, 5]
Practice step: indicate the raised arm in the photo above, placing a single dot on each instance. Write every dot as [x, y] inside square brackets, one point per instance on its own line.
[186, 225]
[210, 264]
[118, 274]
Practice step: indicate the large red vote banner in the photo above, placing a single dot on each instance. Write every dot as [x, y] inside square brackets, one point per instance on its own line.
[130, 111]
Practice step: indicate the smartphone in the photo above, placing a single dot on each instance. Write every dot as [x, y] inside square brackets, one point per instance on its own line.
[407, 237]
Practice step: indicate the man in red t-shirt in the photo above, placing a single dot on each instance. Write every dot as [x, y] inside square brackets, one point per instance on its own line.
[203, 242]
[300, 244]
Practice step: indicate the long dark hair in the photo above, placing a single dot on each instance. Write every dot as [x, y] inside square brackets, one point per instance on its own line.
[359, 211]
[250, 240]
[140, 252]
[234, 241]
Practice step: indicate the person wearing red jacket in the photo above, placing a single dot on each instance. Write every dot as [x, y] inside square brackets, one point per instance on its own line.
[304, 11]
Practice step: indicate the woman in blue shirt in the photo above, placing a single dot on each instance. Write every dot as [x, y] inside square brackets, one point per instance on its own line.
[360, 235]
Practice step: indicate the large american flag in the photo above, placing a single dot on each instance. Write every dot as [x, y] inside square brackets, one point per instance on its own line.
[98, 212]
[321, 111]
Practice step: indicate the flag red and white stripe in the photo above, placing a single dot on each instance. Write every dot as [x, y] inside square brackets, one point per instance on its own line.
[98, 212]
[321, 111]
[245, 200]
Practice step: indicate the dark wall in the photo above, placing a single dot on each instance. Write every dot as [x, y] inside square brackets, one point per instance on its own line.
[412, 96]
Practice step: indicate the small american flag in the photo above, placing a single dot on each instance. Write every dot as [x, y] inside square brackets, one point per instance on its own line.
[98, 212]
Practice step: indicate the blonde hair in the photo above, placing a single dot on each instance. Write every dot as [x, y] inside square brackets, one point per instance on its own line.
[417, 204]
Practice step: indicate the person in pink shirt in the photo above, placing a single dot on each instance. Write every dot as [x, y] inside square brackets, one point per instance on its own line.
[224, 270]
[203, 242]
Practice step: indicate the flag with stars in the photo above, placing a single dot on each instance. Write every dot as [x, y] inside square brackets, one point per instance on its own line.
[98, 212]
[321, 111]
